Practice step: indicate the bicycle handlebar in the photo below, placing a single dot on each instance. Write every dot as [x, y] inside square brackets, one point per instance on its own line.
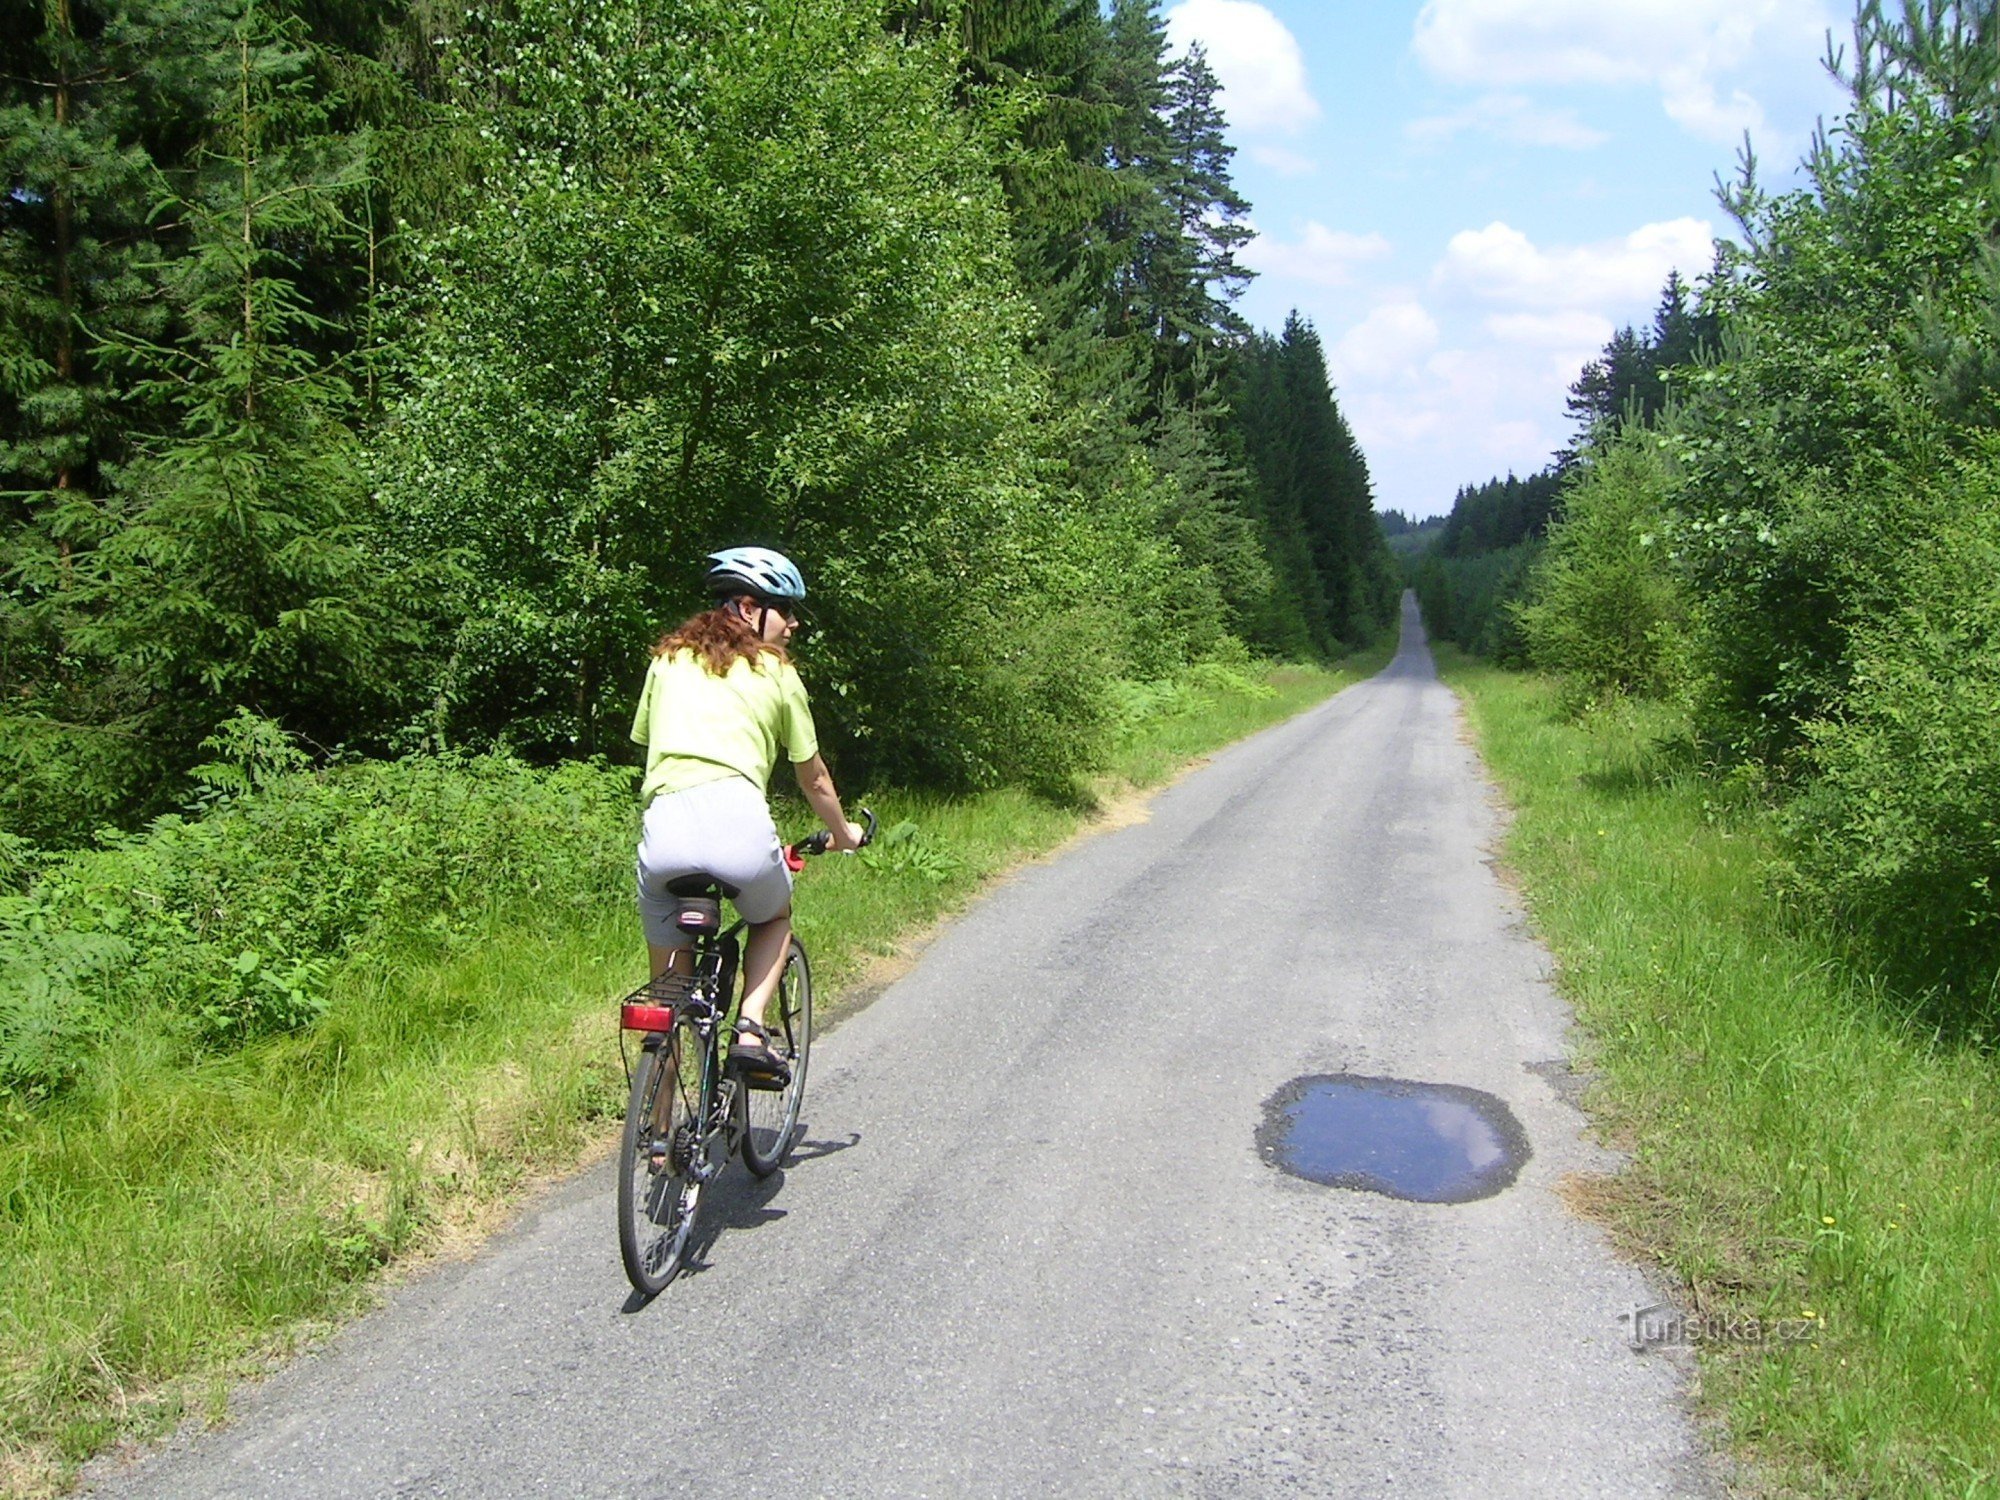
[820, 842]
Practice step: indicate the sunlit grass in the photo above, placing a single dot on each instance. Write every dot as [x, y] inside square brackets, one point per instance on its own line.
[1799, 1151]
[168, 1223]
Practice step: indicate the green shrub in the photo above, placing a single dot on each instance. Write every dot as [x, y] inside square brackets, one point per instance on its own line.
[1602, 608]
[1898, 836]
[229, 924]
[1226, 677]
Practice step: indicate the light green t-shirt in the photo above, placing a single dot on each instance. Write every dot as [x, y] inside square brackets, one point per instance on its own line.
[698, 727]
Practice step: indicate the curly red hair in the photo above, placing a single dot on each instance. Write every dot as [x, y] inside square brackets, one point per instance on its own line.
[719, 640]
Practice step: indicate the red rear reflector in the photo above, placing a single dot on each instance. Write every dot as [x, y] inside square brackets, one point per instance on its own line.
[647, 1018]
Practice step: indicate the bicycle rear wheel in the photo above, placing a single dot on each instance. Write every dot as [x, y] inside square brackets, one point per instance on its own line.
[771, 1116]
[658, 1188]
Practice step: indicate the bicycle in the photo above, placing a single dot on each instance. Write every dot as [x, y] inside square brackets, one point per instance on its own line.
[687, 1111]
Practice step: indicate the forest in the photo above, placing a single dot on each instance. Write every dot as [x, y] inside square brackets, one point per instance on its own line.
[1780, 515]
[373, 376]
[379, 373]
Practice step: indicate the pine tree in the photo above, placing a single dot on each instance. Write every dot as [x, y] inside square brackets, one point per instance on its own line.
[1046, 59]
[237, 574]
[1610, 386]
[1336, 583]
[1209, 210]
[86, 100]
[94, 105]
[1630, 380]
[1334, 495]
[1138, 229]
[1681, 335]
[1292, 618]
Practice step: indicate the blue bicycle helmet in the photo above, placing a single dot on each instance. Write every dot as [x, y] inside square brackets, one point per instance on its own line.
[755, 570]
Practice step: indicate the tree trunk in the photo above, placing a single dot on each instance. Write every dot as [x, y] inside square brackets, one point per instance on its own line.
[63, 208]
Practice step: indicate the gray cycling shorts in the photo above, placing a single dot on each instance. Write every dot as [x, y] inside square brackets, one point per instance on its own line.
[723, 829]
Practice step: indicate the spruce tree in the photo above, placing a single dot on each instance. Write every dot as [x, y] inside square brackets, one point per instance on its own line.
[91, 107]
[1044, 60]
[95, 104]
[237, 574]
[1629, 381]
[1291, 619]
[1207, 208]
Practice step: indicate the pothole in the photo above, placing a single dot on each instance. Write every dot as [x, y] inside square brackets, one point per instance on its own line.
[1425, 1142]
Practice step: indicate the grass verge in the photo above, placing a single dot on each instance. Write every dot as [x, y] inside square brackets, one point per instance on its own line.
[169, 1227]
[1817, 1173]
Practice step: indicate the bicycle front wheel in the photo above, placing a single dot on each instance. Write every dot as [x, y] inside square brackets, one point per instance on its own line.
[771, 1116]
[658, 1187]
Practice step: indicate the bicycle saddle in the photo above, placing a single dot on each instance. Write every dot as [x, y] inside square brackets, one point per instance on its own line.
[700, 885]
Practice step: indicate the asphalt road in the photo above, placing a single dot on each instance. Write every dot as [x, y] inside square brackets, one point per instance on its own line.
[1031, 1245]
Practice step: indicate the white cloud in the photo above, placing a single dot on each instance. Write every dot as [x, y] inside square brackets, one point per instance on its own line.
[1471, 380]
[1501, 264]
[1388, 343]
[1463, 375]
[1498, 402]
[1691, 100]
[1435, 407]
[1523, 445]
[1258, 61]
[1511, 117]
[1479, 405]
[1387, 423]
[1325, 256]
[1285, 163]
[1454, 417]
[1692, 51]
[1569, 329]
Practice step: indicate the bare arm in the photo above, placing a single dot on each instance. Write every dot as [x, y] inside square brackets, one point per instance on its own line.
[816, 782]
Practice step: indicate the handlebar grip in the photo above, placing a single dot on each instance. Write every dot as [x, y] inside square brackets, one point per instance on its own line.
[822, 841]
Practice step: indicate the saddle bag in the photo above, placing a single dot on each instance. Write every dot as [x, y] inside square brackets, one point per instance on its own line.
[698, 914]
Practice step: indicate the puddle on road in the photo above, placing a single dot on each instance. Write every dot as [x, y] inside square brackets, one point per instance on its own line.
[1426, 1142]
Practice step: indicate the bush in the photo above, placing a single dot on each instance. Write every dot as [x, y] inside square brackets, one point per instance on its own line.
[1898, 837]
[229, 924]
[1602, 609]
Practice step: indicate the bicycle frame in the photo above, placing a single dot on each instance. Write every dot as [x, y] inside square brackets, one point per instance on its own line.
[706, 997]
[685, 1098]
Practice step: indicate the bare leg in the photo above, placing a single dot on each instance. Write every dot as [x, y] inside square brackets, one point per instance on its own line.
[671, 960]
[763, 963]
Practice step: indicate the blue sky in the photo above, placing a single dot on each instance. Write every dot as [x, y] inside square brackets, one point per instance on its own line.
[1467, 197]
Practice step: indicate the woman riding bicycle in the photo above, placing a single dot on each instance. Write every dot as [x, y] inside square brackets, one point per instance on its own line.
[721, 699]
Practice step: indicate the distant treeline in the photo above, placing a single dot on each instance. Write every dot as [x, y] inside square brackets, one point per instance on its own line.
[1408, 538]
[381, 372]
[1471, 580]
[1785, 513]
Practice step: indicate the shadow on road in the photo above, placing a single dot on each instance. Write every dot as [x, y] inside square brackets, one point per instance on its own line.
[737, 1200]
[814, 1150]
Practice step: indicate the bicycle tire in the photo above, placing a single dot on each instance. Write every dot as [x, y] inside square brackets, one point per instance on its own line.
[657, 1192]
[771, 1116]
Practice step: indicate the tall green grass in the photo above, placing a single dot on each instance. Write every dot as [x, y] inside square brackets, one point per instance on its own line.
[174, 1215]
[1801, 1149]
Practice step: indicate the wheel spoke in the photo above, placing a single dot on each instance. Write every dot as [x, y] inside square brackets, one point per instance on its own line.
[657, 1192]
[771, 1115]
